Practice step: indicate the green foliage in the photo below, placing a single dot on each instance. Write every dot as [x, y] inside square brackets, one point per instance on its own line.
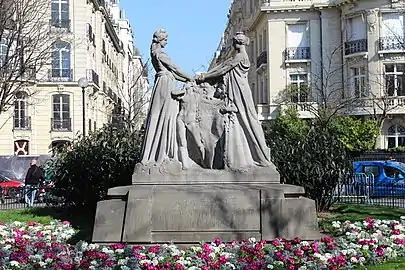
[95, 163]
[285, 134]
[356, 134]
[397, 149]
[307, 155]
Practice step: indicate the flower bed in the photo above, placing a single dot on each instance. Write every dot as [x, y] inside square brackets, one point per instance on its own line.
[36, 246]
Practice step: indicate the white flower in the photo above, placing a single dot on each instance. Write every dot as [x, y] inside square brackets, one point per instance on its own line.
[122, 261]
[15, 264]
[336, 224]
[229, 265]
[270, 266]
[252, 240]
[353, 260]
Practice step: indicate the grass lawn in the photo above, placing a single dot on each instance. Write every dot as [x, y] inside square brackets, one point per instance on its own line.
[395, 264]
[81, 220]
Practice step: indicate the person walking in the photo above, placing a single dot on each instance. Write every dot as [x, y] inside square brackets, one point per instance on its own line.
[32, 181]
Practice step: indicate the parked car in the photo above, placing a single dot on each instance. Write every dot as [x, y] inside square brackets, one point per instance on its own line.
[11, 175]
[381, 178]
[9, 185]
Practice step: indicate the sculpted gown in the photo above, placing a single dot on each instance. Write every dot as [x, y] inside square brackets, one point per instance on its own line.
[160, 139]
[246, 145]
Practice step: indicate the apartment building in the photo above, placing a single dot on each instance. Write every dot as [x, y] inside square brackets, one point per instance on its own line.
[352, 50]
[90, 44]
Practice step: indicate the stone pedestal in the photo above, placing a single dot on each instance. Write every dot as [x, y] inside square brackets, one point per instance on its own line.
[200, 205]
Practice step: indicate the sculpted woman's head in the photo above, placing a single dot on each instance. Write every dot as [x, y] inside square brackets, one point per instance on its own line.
[160, 37]
[240, 40]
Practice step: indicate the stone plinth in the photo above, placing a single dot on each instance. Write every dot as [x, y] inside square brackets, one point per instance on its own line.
[199, 206]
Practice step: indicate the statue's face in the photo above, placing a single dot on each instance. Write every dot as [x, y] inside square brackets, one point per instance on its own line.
[236, 45]
[163, 42]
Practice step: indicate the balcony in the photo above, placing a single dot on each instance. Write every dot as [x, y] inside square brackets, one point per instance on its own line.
[262, 59]
[60, 75]
[60, 25]
[297, 54]
[356, 46]
[22, 123]
[61, 124]
[392, 43]
[93, 77]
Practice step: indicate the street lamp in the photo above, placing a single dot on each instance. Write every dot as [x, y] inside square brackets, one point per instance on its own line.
[83, 83]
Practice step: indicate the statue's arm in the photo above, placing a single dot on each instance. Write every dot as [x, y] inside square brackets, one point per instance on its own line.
[179, 78]
[177, 72]
[223, 68]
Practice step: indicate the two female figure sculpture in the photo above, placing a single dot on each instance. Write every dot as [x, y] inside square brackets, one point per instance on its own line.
[216, 108]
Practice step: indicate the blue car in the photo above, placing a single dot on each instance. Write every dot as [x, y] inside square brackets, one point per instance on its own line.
[380, 178]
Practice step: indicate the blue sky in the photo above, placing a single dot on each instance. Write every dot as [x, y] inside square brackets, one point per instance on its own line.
[194, 27]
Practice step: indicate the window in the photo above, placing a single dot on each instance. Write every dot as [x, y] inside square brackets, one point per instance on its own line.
[297, 35]
[356, 35]
[371, 170]
[61, 112]
[392, 24]
[394, 79]
[396, 136]
[359, 81]
[392, 172]
[252, 50]
[265, 37]
[3, 52]
[392, 31]
[21, 147]
[21, 120]
[298, 88]
[297, 42]
[61, 60]
[356, 28]
[60, 13]
[254, 92]
[260, 43]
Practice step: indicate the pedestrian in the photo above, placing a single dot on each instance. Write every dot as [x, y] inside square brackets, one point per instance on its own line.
[32, 181]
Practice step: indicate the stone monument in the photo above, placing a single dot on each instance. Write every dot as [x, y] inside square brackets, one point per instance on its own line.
[205, 170]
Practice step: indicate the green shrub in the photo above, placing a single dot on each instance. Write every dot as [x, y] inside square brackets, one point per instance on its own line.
[95, 163]
[309, 155]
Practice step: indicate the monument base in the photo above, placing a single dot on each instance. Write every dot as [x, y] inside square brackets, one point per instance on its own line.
[201, 210]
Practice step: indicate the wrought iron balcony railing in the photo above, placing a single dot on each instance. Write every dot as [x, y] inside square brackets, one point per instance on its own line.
[61, 124]
[261, 59]
[60, 75]
[22, 123]
[356, 46]
[392, 43]
[297, 53]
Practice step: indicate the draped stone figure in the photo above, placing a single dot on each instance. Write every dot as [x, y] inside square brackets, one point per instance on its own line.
[160, 142]
[245, 144]
[223, 183]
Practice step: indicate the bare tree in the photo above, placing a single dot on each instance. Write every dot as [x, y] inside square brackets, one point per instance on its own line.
[135, 93]
[25, 46]
[327, 92]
